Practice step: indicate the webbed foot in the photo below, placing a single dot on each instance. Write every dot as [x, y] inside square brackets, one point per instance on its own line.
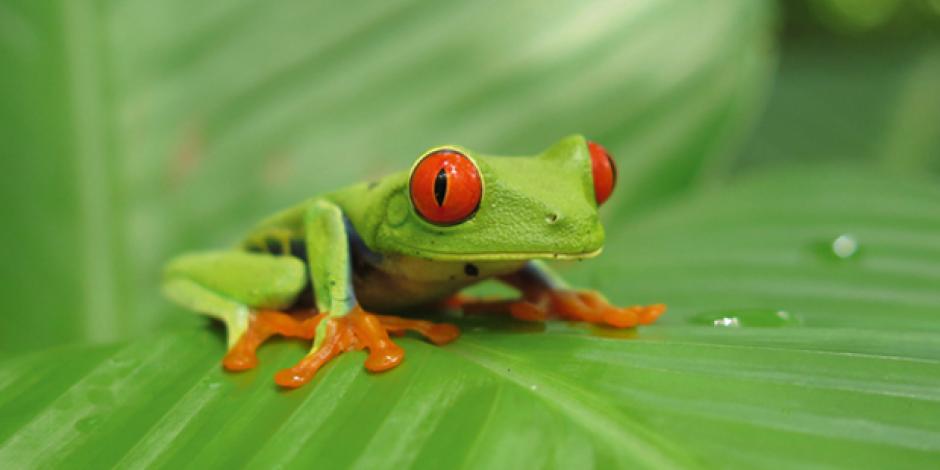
[357, 330]
[585, 306]
[263, 324]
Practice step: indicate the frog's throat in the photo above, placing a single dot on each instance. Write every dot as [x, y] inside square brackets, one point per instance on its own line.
[496, 256]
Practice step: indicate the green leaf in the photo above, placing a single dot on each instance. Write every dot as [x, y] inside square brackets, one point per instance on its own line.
[835, 100]
[140, 129]
[846, 378]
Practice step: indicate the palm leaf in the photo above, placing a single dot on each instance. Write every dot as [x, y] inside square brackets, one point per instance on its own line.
[846, 378]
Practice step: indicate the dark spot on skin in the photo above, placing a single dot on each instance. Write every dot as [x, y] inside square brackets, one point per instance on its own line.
[471, 269]
[372, 185]
[298, 249]
[305, 299]
[453, 278]
[332, 283]
[274, 246]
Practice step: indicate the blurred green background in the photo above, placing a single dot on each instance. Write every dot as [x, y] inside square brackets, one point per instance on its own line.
[749, 135]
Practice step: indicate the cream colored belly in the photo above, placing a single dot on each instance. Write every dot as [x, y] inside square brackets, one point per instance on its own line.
[399, 282]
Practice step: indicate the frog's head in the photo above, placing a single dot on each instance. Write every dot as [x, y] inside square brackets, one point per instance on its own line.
[459, 205]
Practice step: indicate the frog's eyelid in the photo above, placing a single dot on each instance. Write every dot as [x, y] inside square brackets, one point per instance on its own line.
[603, 172]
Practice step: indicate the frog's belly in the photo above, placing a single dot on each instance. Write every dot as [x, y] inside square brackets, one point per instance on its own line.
[399, 282]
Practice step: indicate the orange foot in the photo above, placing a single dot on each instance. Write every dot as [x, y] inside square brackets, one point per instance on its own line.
[263, 325]
[585, 306]
[354, 331]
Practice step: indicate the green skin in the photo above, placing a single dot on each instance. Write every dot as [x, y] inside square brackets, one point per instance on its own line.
[367, 244]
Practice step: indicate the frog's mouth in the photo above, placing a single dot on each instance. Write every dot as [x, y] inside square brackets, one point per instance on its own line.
[509, 256]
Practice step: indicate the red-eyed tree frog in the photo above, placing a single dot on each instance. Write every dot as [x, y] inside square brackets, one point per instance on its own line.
[332, 267]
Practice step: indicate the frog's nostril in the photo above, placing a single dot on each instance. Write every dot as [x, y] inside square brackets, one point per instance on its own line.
[551, 218]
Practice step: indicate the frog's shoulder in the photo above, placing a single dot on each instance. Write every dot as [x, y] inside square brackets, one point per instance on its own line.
[365, 205]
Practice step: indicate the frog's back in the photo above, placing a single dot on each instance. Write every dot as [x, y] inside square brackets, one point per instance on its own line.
[279, 234]
[283, 232]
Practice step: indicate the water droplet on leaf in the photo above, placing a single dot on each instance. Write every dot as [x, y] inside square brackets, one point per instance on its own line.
[844, 246]
[761, 318]
[727, 321]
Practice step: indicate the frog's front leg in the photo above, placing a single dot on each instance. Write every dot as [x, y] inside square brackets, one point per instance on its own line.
[545, 294]
[346, 326]
[244, 291]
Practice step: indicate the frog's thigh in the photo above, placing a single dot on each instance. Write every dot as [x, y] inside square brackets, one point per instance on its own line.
[226, 285]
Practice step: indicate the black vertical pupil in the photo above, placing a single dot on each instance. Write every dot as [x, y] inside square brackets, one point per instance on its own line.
[440, 187]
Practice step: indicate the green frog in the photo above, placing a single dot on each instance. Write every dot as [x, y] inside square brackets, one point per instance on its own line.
[334, 267]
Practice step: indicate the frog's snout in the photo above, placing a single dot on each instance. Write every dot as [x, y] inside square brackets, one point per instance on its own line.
[575, 228]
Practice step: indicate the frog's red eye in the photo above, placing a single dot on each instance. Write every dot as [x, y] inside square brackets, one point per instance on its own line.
[446, 187]
[604, 171]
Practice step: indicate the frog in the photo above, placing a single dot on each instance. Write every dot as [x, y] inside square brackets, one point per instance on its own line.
[347, 270]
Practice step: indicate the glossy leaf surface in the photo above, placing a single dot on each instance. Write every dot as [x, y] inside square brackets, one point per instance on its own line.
[846, 376]
[803, 295]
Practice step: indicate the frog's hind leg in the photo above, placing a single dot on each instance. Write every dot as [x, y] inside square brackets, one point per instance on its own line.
[544, 295]
[245, 291]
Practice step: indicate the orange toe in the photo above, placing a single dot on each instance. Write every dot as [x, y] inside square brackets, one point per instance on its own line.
[357, 330]
[384, 359]
[581, 306]
[575, 306]
[237, 361]
[651, 313]
[383, 353]
[437, 333]
[442, 333]
[262, 325]
[528, 311]
[334, 343]
[592, 307]
[620, 317]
